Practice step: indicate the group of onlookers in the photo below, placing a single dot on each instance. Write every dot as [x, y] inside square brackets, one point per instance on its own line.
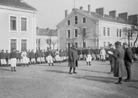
[101, 54]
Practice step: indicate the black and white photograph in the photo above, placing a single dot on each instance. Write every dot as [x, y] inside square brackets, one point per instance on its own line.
[68, 48]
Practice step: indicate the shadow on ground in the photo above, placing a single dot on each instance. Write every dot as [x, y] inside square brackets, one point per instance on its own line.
[5, 69]
[134, 87]
[58, 71]
[97, 78]
[93, 71]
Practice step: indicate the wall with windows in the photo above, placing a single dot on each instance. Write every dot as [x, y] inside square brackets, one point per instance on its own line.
[18, 29]
[110, 32]
[69, 31]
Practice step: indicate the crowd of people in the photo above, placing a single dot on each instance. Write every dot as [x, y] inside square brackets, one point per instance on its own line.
[25, 58]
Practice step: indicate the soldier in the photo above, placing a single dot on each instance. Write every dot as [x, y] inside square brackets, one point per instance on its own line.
[119, 68]
[3, 61]
[32, 57]
[88, 59]
[128, 61]
[50, 58]
[24, 58]
[36, 56]
[7, 57]
[111, 58]
[103, 54]
[73, 59]
[13, 56]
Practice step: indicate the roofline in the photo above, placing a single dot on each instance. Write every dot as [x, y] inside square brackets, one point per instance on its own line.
[16, 8]
[77, 10]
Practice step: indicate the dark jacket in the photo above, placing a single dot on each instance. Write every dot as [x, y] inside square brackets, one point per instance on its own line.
[128, 55]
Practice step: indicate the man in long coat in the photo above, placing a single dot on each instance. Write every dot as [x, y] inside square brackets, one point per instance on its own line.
[73, 59]
[119, 68]
[128, 61]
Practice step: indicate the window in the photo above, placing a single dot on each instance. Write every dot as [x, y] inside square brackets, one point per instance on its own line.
[84, 20]
[104, 44]
[84, 44]
[108, 31]
[84, 31]
[68, 33]
[76, 19]
[13, 23]
[23, 44]
[104, 31]
[68, 22]
[23, 24]
[76, 44]
[76, 32]
[117, 33]
[13, 43]
[68, 45]
[120, 32]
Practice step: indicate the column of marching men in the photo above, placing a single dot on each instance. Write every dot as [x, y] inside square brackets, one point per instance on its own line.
[26, 58]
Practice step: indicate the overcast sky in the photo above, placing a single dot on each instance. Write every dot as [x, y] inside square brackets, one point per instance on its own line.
[51, 12]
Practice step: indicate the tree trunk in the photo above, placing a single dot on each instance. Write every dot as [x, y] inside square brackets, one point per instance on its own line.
[136, 39]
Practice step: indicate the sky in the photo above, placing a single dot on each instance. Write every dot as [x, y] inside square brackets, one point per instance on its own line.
[51, 12]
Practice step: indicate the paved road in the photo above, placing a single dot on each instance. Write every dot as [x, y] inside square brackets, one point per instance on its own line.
[42, 81]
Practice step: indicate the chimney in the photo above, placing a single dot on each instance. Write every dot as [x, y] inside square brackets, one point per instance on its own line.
[123, 16]
[89, 8]
[133, 19]
[81, 8]
[100, 11]
[112, 14]
[66, 13]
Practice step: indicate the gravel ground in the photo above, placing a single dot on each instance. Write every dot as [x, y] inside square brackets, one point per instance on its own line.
[43, 81]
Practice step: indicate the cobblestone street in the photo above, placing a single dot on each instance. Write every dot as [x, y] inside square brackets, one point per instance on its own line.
[43, 81]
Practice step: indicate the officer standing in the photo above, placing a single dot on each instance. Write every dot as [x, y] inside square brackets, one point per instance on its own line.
[73, 59]
[128, 61]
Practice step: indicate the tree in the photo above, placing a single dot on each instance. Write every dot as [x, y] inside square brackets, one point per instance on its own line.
[84, 34]
[54, 42]
[131, 33]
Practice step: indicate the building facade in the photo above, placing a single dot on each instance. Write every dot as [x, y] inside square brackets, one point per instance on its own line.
[17, 26]
[46, 38]
[91, 29]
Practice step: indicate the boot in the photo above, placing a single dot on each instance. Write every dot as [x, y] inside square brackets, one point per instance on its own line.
[119, 81]
[74, 71]
[14, 69]
[89, 63]
[11, 69]
[70, 70]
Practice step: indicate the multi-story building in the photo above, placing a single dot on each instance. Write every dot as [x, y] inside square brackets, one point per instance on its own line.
[46, 38]
[17, 25]
[92, 29]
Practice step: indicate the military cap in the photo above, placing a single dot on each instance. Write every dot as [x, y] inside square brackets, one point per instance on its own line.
[117, 43]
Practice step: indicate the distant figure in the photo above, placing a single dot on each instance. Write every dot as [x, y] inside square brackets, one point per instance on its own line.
[50, 59]
[88, 59]
[13, 56]
[103, 54]
[24, 58]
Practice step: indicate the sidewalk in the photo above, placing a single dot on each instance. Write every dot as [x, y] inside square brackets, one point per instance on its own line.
[43, 81]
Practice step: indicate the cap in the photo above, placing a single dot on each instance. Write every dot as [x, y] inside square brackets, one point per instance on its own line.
[117, 43]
